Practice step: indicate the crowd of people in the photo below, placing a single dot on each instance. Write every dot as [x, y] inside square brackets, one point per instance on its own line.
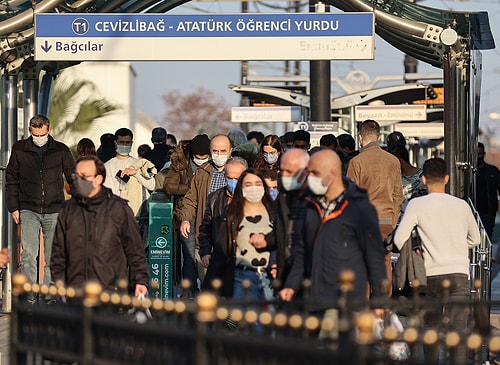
[246, 207]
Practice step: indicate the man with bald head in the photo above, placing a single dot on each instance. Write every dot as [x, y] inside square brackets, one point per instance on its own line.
[208, 178]
[340, 232]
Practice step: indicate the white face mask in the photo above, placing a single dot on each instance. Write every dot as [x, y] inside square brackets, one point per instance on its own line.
[315, 184]
[219, 160]
[40, 141]
[200, 161]
[270, 158]
[253, 194]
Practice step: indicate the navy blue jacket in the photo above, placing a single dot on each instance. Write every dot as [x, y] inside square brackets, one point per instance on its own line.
[347, 239]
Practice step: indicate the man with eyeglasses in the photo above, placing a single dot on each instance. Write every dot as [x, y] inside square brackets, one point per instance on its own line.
[97, 236]
[35, 193]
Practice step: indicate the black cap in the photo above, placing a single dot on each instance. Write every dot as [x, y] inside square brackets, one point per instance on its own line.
[200, 145]
[159, 135]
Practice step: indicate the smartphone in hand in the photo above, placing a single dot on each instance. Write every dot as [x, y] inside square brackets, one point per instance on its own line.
[125, 178]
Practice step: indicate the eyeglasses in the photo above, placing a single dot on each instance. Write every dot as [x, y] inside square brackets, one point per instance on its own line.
[74, 176]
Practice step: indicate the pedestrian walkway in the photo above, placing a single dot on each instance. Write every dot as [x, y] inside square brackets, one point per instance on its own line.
[4, 338]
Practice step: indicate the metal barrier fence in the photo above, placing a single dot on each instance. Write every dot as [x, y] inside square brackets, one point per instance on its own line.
[94, 327]
[480, 260]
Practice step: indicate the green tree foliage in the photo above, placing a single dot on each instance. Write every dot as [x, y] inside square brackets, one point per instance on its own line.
[73, 107]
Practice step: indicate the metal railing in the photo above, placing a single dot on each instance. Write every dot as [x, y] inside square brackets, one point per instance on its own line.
[480, 261]
[89, 326]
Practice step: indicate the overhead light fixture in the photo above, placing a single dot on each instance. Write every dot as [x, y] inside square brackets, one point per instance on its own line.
[448, 37]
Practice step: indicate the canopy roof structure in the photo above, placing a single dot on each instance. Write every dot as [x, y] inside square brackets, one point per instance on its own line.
[412, 28]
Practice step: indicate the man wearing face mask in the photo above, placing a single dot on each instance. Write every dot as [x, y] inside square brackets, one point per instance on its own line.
[34, 192]
[291, 203]
[124, 177]
[97, 236]
[340, 232]
[208, 178]
[185, 163]
[216, 207]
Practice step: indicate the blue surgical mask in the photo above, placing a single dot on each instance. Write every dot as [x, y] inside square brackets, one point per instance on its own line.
[123, 150]
[273, 193]
[231, 185]
[290, 183]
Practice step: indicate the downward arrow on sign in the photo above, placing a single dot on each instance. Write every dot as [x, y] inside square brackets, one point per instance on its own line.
[46, 47]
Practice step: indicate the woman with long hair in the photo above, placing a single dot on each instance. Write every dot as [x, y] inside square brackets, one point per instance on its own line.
[242, 249]
[270, 153]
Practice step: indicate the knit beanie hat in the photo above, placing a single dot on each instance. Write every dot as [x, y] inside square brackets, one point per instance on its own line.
[200, 145]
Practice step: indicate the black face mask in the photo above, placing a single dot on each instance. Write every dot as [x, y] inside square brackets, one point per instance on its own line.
[480, 161]
[82, 187]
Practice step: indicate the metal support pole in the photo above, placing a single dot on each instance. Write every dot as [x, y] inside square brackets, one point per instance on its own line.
[450, 117]
[30, 103]
[410, 64]
[45, 92]
[9, 136]
[244, 64]
[460, 119]
[320, 86]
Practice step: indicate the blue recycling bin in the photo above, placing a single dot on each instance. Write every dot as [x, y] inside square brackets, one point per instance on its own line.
[161, 246]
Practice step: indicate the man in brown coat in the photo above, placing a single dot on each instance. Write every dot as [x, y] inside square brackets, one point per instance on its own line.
[208, 178]
[379, 173]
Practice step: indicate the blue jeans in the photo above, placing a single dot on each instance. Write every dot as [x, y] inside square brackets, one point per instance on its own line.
[188, 245]
[260, 288]
[30, 239]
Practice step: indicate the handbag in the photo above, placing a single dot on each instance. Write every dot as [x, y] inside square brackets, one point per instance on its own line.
[396, 350]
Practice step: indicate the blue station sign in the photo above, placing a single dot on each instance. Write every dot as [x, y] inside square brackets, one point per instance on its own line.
[210, 37]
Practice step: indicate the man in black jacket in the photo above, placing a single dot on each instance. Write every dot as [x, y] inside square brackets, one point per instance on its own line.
[97, 236]
[215, 210]
[291, 207]
[487, 190]
[35, 192]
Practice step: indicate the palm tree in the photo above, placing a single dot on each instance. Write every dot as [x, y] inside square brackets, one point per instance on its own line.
[72, 109]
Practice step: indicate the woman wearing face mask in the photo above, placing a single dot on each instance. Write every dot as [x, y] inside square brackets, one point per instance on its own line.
[270, 153]
[185, 160]
[243, 246]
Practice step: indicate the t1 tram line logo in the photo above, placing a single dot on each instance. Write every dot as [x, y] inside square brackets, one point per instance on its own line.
[80, 26]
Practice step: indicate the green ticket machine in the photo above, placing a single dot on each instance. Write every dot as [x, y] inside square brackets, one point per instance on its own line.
[161, 247]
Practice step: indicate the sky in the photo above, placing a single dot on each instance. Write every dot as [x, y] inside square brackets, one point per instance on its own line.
[216, 76]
